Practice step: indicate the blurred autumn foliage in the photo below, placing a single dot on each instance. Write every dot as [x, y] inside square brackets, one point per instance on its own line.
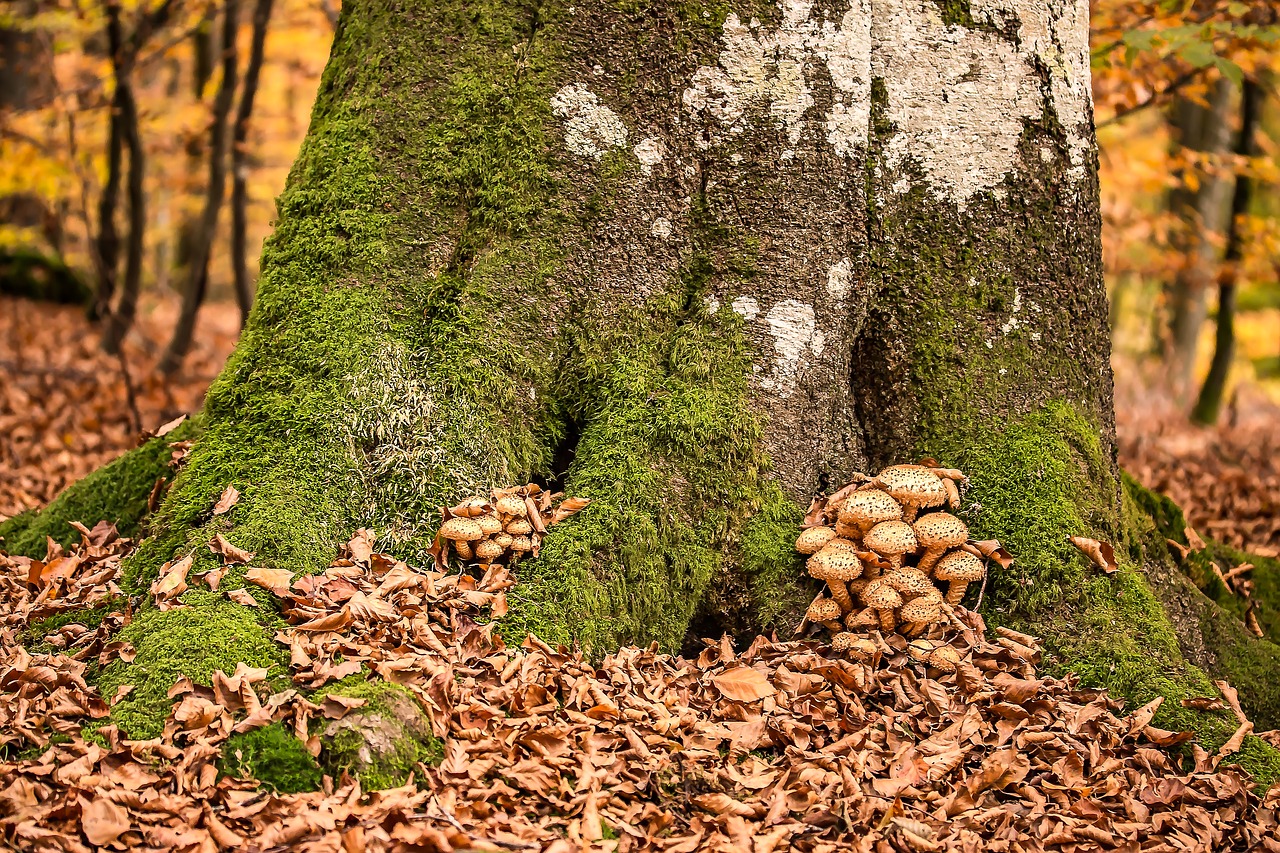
[142, 143]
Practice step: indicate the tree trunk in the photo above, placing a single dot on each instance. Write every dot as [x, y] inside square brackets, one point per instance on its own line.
[240, 160]
[696, 267]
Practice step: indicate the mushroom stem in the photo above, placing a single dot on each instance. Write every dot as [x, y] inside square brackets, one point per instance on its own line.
[832, 625]
[895, 562]
[840, 594]
[930, 557]
[871, 570]
[909, 512]
[887, 621]
[955, 592]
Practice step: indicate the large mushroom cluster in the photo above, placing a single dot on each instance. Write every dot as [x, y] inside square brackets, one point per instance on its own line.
[503, 527]
[883, 561]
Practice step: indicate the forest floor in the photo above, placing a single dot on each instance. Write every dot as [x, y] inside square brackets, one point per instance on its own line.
[779, 746]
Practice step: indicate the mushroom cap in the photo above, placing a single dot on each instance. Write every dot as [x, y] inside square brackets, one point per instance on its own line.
[836, 565]
[844, 641]
[945, 658]
[519, 527]
[841, 544]
[811, 541]
[521, 544]
[503, 540]
[891, 537]
[922, 609]
[959, 566]
[489, 524]
[512, 505]
[488, 550]
[921, 649]
[881, 596]
[912, 484]
[909, 582]
[864, 618]
[461, 530]
[847, 531]
[869, 507]
[823, 610]
[940, 529]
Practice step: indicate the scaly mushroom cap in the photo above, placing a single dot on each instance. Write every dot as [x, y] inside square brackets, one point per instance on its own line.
[512, 505]
[504, 540]
[912, 485]
[847, 531]
[521, 544]
[812, 540]
[488, 551]
[489, 524]
[461, 530]
[921, 649]
[945, 658]
[841, 544]
[859, 648]
[856, 587]
[923, 610]
[823, 610]
[863, 509]
[909, 582]
[959, 566]
[890, 538]
[837, 565]
[864, 618]
[880, 596]
[519, 527]
[940, 530]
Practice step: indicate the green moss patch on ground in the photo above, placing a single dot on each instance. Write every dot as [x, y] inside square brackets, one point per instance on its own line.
[273, 756]
[382, 742]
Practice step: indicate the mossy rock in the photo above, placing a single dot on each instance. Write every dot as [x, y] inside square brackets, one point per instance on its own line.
[35, 275]
[273, 756]
[381, 743]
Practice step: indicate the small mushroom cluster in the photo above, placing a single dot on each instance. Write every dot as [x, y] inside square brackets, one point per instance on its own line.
[881, 558]
[503, 527]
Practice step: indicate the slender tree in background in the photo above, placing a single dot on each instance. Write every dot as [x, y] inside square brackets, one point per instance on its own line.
[197, 272]
[204, 42]
[1201, 212]
[695, 262]
[1209, 403]
[240, 159]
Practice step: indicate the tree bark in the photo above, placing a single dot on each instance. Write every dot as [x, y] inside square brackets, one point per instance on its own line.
[239, 159]
[710, 262]
[197, 277]
[1209, 403]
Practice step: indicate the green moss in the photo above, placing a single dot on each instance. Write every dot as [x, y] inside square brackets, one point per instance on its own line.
[117, 492]
[33, 635]
[273, 756]
[209, 633]
[382, 742]
[32, 274]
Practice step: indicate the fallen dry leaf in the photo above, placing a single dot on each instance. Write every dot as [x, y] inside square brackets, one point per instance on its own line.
[230, 496]
[743, 684]
[274, 580]
[230, 554]
[243, 597]
[1101, 553]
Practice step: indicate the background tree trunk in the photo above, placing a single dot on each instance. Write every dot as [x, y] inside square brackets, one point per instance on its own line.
[695, 266]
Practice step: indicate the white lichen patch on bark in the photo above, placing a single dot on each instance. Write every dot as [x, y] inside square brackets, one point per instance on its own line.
[661, 228]
[590, 128]
[792, 325]
[649, 151]
[772, 70]
[958, 98]
[747, 307]
[840, 279]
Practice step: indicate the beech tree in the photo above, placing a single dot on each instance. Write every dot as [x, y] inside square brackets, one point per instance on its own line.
[697, 262]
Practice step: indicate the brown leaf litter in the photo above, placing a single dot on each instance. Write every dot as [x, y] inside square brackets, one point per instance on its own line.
[781, 746]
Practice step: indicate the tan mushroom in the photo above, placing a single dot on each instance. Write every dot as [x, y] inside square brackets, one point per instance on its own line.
[461, 530]
[910, 582]
[519, 527]
[836, 567]
[503, 540]
[913, 486]
[921, 612]
[811, 541]
[847, 531]
[945, 658]
[863, 510]
[891, 539]
[489, 524]
[884, 599]
[842, 544]
[512, 505]
[859, 648]
[487, 551]
[825, 612]
[958, 569]
[867, 617]
[936, 533]
[521, 545]
[464, 550]
[857, 585]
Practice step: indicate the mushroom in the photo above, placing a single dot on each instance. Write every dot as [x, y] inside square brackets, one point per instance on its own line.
[519, 527]
[958, 569]
[913, 486]
[464, 550]
[512, 505]
[863, 510]
[812, 540]
[867, 617]
[937, 532]
[910, 582]
[503, 540]
[489, 524]
[520, 545]
[883, 599]
[826, 613]
[835, 567]
[842, 544]
[488, 551]
[921, 612]
[859, 648]
[937, 655]
[461, 530]
[891, 539]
